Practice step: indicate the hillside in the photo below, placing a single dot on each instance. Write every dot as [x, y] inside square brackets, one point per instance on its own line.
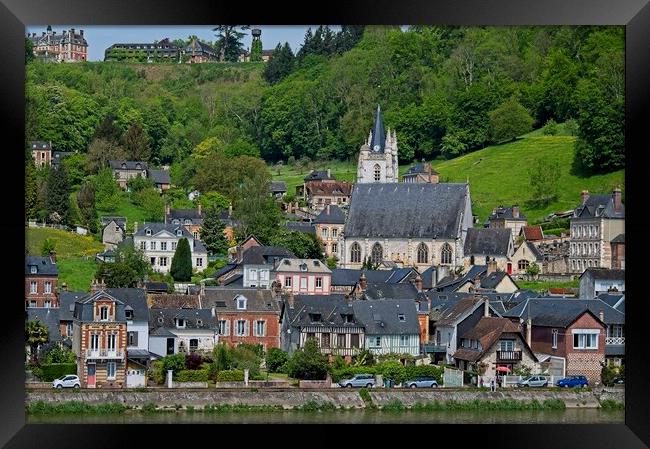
[498, 175]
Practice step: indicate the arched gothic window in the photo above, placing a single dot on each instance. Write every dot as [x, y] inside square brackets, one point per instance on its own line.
[423, 253]
[377, 173]
[355, 253]
[445, 254]
[377, 254]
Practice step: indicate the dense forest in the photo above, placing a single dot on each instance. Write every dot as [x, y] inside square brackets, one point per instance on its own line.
[445, 90]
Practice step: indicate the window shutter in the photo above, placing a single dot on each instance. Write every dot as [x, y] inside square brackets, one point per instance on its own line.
[227, 331]
[246, 328]
[135, 339]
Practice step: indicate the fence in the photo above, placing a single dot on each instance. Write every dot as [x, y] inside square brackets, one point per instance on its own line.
[511, 381]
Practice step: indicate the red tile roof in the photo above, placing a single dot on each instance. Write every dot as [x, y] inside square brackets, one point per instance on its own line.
[533, 233]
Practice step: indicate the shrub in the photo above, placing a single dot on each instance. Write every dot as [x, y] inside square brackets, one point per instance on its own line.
[234, 375]
[365, 395]
[58, 354]
[610, 404]
[193, 361]
[550, 128]
[275, 358]
[425, 371]
[308, 362]
[149, 407]
[187, 375]
[49, 372]
[392, 370]
[394, 406]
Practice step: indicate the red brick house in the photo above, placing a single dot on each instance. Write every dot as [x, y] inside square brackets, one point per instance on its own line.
[245, 315]
[41, 152]
[41, 276]
[565, 328]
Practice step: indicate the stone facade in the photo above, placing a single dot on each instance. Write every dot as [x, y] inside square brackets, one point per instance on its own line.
[68, 46]
[378, 157]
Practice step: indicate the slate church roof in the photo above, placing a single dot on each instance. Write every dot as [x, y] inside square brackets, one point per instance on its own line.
[488, 241]
[378, 141]
[403, 210]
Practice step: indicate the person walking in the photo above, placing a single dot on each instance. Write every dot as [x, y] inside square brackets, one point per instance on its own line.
[492, 386]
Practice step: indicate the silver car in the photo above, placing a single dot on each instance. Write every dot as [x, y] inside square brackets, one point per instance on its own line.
[533, 381]
[421, 382]
[68, 381]
[360, 380]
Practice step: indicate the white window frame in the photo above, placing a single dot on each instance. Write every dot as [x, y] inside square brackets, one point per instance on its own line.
[554, 334]
[306, 283]
[111, 370]
[94, 341]
[33, 288]
[375, 342]
[33, 269]
[173, 246]
[152, 245]
[258, 324]
[162, 261]
[163, 246]
[199, 261]
[252, 274]
[335, 233]
[403, 340]
[48, 287]
[111, 342]
[47, 304]
[319, 282]
[101, 313]
[287, 281]
[582, 342]
[143, 245]
[241, 332]
[223, 327]
[241, 303]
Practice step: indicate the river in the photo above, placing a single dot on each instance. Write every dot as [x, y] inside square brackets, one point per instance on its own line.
[568, 416]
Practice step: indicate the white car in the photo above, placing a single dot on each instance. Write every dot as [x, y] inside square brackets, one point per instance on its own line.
[67, 381]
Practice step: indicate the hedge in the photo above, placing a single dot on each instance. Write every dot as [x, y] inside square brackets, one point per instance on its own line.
[235, 375]
[188, 375]
[47, 373]
[391, 369]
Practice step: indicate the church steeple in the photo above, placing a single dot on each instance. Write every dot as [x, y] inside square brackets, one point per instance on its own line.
[378, 142]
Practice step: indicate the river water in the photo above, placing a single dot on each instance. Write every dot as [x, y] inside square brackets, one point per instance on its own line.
[568, 416]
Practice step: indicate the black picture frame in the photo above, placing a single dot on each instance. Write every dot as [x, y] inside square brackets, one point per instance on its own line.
[15, 15]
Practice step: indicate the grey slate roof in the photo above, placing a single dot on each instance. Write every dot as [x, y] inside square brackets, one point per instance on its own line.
[135, 298]
[48, 316]
[44, 266]
[155, 286]
[40, 145]
[613, 300]
[420, 167]
[383, 290]
[84, 306]
[225, 299]
[278, 186]
[259, 255]
[619, 239]
[158, 227]
[159, 176]
[349, 277]
[130, 165]
[194, 319]
[382, 317]
[66, 304]
[120, 221]
[331, 214]
[300, 226]
[378, 141]
[59, 38]
[488, 241]
[598, 206]
[501, 212]
[236, 281]
[604, 273]
[224, 270]
[561, 312]
[450, 284]
[384, 210]
[318, 175]
[331, 309]
[492, 280]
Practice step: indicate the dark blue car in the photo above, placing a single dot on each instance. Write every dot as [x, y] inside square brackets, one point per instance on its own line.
[572, 381]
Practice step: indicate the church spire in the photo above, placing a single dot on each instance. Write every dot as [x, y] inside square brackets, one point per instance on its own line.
[378, 134]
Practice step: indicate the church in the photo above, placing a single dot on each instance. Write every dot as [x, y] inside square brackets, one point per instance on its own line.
[408, 224]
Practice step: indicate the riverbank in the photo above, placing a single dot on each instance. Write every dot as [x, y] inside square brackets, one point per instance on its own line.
[228, 401]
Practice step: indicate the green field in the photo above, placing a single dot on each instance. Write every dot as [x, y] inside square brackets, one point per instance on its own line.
[343, 171]
[77, 273]
[126, 208]
[542, 286]
[498, 175]
[66, 244]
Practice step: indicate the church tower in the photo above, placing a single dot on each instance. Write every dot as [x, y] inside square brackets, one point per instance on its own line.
[378, 156]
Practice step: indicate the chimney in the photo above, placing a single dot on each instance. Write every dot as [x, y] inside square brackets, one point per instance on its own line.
[529, 331]
[290, 300]
[199, 208]
[491, 266]
[53, 257]
[486, 306]
[64, 287]
[616, 196]
[202, 291]
[135, 227]
[515, 211]
[363, 282]
[418, 283]
[584, 196]
[601, 315]
[97, 286]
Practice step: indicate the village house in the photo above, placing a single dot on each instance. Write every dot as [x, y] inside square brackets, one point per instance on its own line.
[69, 46]
[67, 302]
[303, 276]
[198, 52]
[114, 231]
[419, 225]
[99, 340]
[497, 346]
[595, 281]
[245, 315]
[300, 226]
[568, 331]
[391, 325]
[533, 234]
[160, 179]
[50, 318]
[329, 319]
[41, 152]
[597, 221]
[329, 226]
[508, 218]
[258, 263]
[321, 188]
[174, 331]
[618, 252]
[158, 241]
[160, 51]
[479, 278]
[421, 173]
[236, 253]
[524, 256]
[378, 161]
[41, 277]
[123, 171]
[485, 244]
[278, 189]
[346, 280]
[190, 219]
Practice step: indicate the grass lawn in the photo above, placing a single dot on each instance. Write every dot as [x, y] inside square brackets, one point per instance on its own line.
[498, 174]
[126, 209]
[542, 286]
[76, 272]
[67, 244]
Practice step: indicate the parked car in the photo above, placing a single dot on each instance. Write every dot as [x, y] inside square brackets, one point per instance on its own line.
[619, 380]
[421, 382]
[67, 381]
[360, 380]
[533, 381]
[573, 381]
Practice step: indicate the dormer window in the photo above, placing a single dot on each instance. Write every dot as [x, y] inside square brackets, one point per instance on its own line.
[303, 267]
[148, 232]
[128, 314]
[160, 320]
[180, 322]
[176, 221]
[179, 232]
[315, 317]
[401, 317]
[241, 303]
[138, 166]
[188, 221]
[103, 313]
[199, 323]
[33, 269]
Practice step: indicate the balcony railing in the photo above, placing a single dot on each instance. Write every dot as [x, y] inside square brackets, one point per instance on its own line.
[104, 354]
[614, 340]
[509, 355]
[340, 351]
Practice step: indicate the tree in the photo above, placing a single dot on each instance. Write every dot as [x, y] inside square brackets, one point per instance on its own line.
[229, 41]
[533, 269]
[36, 334]
[151, 203]
[279, 65]
[138, 183]
[550, 128]
[129, 268]
[275, 359]
[136, 143]
[302, 244]
[107, 192]
[543, 176]
[31, 189]
[509, 121]
[181, 269]
[212, 232]
[308, 362]
[256, 50]
[108, 130]
[29, 50]
[101, 151]
[259, 213]
[48, 247]
[59, 354]
[58, 193]
[87, 210]
[332, 262]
